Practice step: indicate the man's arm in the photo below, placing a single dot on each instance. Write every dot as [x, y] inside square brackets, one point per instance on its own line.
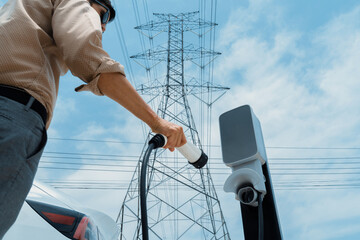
[118, 88]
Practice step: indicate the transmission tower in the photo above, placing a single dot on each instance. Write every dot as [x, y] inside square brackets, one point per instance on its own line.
[182, 201]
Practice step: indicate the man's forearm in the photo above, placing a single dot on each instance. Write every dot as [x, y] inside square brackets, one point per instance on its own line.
[118, 88]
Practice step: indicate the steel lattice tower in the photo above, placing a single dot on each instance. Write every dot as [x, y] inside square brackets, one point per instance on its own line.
[182, 201]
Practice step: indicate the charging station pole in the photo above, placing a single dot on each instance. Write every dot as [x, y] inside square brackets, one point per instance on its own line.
[244, 152]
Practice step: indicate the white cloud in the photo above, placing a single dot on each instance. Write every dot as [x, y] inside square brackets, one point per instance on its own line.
[262, 78]
[244, 19]
[63, 109]
[305, 94]
[323, 214]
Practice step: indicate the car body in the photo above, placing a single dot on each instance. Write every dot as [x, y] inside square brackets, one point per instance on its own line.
[51, 214]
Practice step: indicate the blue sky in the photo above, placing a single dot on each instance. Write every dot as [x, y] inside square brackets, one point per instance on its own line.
[294, 62]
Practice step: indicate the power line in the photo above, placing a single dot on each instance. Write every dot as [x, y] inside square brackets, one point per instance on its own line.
[277, 182]
[283, 166]
[212, 160]
[270, 158]
[123, 46]
[315, 158]
[287, 173]
[87, 169]
[294, 163]
[270, 147]
[88, 164]
[273, 160]
[94, 140]
[274, 166]
[318, 148]
[219, 187]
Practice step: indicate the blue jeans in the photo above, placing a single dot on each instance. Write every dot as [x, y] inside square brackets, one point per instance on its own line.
[22, 140]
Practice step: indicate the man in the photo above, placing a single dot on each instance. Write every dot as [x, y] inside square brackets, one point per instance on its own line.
[39, 41]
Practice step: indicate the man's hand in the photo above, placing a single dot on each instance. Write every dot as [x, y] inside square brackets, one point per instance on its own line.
[174, 133]
[118, 88]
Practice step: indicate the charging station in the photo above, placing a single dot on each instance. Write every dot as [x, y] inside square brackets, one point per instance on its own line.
[243, 150]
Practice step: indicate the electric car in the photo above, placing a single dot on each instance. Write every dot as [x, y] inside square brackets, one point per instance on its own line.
[50, 214]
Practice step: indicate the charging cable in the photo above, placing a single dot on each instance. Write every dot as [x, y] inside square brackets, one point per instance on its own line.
[194, 155]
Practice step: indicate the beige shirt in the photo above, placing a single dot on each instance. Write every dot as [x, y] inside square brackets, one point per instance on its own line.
[41, 39]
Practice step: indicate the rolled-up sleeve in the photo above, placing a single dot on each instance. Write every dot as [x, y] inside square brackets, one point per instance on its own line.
[77, 33]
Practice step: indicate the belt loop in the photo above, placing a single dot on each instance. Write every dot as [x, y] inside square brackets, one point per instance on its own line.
[30, 102]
